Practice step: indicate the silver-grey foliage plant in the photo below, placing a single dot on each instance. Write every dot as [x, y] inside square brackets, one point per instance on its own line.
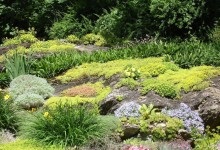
[130, 109]
[30, 84]
[29, 100]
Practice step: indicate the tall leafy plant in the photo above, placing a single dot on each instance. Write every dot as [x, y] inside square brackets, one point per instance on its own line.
[17, 64]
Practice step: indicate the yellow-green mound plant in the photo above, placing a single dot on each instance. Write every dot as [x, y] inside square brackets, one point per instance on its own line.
[23, 38]
[73, 39]
[80, 97]
[51, 46]
[24, 144]
[171, 83]
[95, 39]
[148, 67]
[129, 82]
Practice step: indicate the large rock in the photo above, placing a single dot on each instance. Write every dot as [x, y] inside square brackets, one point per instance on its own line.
[158, 101]
[207, 102]
[130, 130]
[116, 98]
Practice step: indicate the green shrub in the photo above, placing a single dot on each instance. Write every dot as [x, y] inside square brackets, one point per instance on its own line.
[29, 101]
[91, 38]
[30, 84]
[178, 17]
[4, 80]
[8, 116]
[73, 39]
[108, 25]
[70, 24]
[66, 125]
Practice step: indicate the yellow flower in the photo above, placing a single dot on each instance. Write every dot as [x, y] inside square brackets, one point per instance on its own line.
[132, 75]
[33, 109]
[127, 74]
[46, 114]
[133, 69]
[6, 97]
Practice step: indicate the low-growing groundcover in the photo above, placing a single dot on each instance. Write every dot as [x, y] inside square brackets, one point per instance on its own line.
[21, 144]
[86, 93]
[165, 78]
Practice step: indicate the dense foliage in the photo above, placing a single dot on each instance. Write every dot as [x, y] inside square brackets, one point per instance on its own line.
[59, 18]
[8, 116]
[66, 125]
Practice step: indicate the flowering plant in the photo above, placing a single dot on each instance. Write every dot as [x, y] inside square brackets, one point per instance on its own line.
[131, 72]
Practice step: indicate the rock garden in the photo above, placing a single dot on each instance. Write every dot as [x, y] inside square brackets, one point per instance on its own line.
[75, 93]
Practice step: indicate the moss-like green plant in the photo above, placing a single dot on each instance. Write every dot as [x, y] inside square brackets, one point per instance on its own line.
[102, 92]
[111, 68]
[162, 88]
[22, 38]
[171, 83]
[51, 46]
[25, 144]
[119, 98]
[129, 82]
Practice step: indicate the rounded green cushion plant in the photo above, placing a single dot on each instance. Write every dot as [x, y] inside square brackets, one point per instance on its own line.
[30, 84]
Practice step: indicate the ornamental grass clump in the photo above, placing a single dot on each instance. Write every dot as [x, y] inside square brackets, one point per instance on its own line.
[65, 124]
[191, 119]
